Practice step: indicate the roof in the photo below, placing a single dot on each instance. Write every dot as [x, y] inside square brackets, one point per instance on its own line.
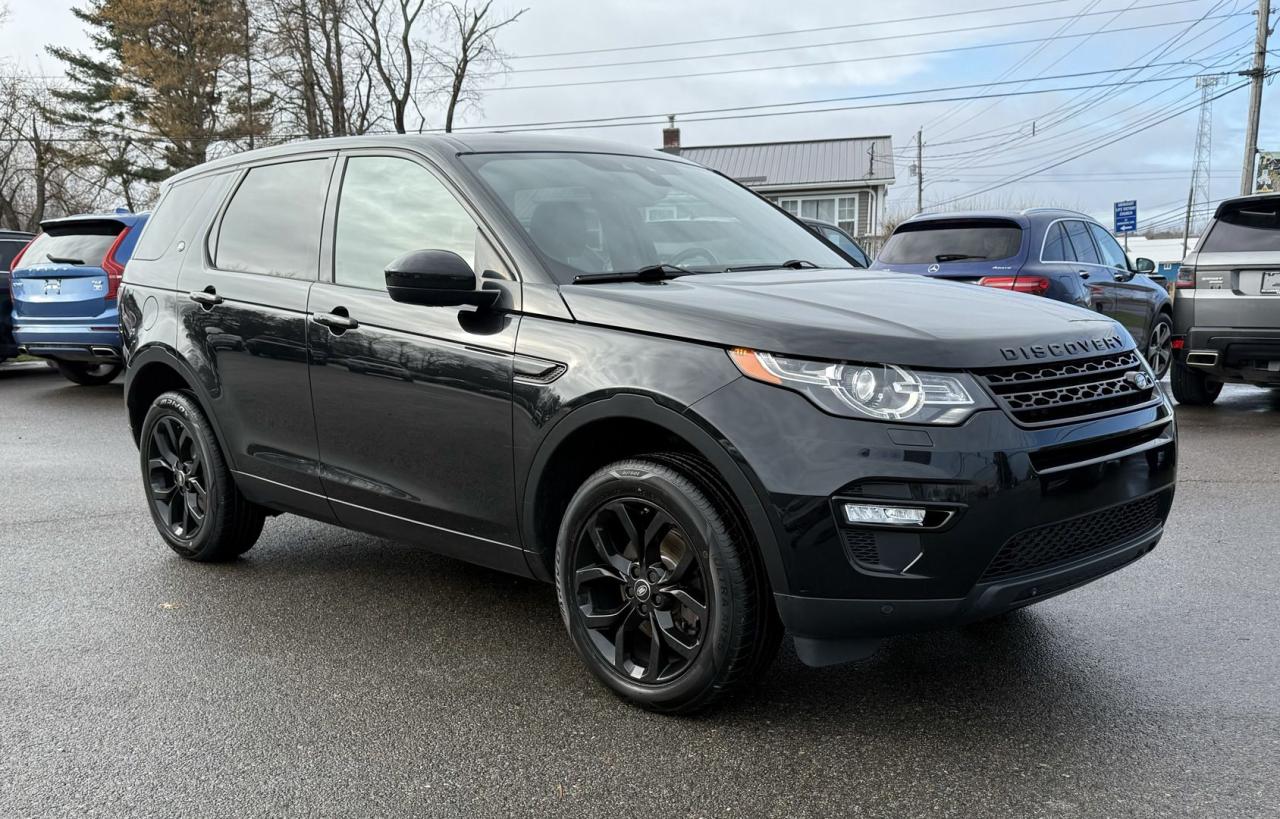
[809, 163]
[434, 144]
[1023, 217]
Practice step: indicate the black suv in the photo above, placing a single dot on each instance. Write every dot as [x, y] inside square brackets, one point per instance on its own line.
[625, 374]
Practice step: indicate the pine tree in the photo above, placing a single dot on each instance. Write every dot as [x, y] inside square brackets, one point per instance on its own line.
[164, 82]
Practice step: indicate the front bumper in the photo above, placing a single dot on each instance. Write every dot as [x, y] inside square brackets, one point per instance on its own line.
[1087, 497]
[1246, 355]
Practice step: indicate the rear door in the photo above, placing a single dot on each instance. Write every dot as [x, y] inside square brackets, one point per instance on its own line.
[61, 275]
[1237, 267]
[1132, 299]
[243, 322]
[1096, 276]
[413, 403]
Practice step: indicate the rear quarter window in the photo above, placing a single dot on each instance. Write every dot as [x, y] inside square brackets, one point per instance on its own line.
[179, 203]
[1246, 227]
[952, 240]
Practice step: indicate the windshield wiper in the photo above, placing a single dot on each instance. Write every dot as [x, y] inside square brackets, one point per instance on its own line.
[789, 264]
[62, 259]
[649, 273]
[955, 257]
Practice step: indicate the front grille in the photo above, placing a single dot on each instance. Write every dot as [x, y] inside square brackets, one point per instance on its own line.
[1039, 394]
[1045, 546]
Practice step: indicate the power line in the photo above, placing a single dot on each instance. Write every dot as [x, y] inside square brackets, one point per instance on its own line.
[1051, 165]
[737, 37]
[861, 41]
[843, 61]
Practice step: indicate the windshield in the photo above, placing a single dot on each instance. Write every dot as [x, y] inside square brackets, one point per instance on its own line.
[952, 240]
[604, 213]
[1244, 227]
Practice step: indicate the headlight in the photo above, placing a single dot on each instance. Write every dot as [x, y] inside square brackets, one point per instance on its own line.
[882, 392]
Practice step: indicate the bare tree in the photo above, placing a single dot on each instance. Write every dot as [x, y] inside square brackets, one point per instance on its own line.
[388, 30]
[470, 52]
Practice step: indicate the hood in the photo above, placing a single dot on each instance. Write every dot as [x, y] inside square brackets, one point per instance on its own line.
[852, 315]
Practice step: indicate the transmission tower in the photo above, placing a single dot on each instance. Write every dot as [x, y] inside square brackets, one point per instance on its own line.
[1198, 197]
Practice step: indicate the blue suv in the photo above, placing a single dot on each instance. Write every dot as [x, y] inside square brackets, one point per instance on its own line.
[64, 292]
[1058, 254]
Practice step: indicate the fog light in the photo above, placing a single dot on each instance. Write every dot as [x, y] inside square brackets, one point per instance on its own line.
[883, 515]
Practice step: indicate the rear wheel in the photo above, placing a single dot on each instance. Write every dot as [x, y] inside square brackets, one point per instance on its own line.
[1160, 345]
[89, 373]
[659, 591]
[1192, 387]
[193, 499]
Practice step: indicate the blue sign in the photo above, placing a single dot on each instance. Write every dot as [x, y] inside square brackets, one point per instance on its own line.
[1127, 216]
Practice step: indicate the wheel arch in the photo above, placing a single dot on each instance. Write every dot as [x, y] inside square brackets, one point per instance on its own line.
[627, 425]
[155, 370]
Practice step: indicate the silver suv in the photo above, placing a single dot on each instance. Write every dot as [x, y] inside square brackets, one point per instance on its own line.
[1226, 309]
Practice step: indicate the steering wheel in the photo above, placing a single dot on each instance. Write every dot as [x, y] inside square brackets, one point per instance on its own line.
[690, 254]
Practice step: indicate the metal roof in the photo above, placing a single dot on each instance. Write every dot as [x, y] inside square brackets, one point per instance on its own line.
[813, 162]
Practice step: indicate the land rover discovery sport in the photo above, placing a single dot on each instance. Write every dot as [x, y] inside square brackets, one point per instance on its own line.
[622, 373]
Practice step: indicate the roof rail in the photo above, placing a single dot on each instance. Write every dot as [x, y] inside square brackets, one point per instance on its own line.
[1026, 211]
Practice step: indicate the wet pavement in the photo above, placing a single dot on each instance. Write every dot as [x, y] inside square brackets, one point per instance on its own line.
[332, 673]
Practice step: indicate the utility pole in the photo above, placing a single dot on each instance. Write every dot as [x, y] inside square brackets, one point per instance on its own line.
[1256, 73]
[920, 169]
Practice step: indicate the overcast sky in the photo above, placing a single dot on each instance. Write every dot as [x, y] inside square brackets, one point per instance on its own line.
[1153, 165]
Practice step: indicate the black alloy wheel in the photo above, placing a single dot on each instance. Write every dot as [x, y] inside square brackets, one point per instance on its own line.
[641, 590]
[660, 584]
[176, 478]
[194, 501]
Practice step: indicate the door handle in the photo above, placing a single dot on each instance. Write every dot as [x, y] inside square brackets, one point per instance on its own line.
[1084, 274]
[206, 298]
[337, 322]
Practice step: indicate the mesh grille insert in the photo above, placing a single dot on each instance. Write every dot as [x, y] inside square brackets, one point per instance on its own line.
[1053, 393]
[1055, 543]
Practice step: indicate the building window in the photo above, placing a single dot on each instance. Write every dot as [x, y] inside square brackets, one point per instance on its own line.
[851, 212]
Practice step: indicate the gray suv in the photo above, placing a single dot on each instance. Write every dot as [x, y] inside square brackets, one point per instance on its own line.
[1226, 310]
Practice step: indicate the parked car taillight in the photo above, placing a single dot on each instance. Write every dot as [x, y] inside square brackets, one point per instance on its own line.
[1035, 285]
[1186, 278]
[113, 268]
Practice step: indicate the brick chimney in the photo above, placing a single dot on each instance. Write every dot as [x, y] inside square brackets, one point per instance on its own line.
[671, 136]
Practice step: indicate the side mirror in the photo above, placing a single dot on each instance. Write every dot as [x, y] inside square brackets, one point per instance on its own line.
[1143, 265]
[437, 278]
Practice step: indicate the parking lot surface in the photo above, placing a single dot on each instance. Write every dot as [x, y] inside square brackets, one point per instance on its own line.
[331, 673]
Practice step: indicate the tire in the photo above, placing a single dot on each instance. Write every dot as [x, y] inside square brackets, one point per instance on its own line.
[696, 580]
[182, 464]
[1191, 387]
[1160, 345]
[88, 374]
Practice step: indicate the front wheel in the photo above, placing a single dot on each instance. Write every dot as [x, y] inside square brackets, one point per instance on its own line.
[659, 589]
[87, 373]
[1160, 346]
[194, 501]
[1192, 387]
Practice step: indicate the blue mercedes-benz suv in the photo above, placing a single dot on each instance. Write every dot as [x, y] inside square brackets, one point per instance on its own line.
[1059, 254]
[65, 285]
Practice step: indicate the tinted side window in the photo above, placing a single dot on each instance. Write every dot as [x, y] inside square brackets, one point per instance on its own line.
[272, 225]
[8, 249]
[169, 216]
[1112, 253]
[1078, 235]
[391, 206]
[1056, 246]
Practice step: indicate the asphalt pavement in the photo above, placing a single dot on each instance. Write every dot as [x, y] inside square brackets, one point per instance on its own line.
[331, 673]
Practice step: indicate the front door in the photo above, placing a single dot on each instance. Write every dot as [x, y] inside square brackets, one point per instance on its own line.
[243, 321]
[412, 403]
